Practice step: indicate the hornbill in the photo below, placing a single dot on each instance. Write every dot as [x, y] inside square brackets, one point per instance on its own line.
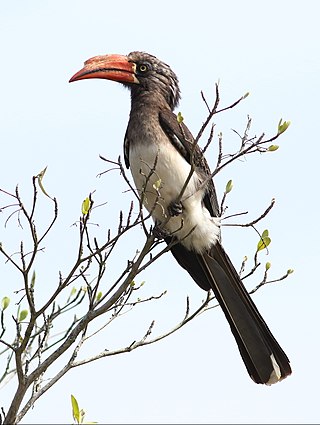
[161, 152]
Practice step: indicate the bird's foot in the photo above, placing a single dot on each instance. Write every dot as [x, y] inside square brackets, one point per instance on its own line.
[175, 208]
[159, 232]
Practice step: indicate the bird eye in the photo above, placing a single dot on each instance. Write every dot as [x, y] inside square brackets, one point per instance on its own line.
[143, 68]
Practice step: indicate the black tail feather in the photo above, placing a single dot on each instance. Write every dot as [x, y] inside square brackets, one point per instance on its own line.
[265, 360]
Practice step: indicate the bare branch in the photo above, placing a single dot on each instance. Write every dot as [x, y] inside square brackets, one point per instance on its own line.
[255, 221]
[35, 348]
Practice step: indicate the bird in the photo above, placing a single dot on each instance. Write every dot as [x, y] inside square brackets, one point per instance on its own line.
[174, 182]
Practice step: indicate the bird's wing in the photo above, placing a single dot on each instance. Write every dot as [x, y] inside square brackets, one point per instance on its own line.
[182, 139]
[265, 360]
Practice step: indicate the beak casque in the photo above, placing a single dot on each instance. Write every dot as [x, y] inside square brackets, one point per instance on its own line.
[109, 67]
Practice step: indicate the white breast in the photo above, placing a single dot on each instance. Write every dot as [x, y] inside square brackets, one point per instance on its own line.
[159, 173]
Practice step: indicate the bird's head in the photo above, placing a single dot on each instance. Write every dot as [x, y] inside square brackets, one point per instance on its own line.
[139, 71]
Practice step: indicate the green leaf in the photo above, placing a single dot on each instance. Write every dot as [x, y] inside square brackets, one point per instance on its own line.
[179, 118]
[23, 314]
[268, 265]
[5, 303]
[273, 148]
[157, 184]
[99, 295]
[73, 291]
[86, 204]
[245, 95]
[132, 283]
[290, 271]
[40, 178]
[282, 126]
[264, 241]
[75, 409]
[229, 186]
[33, 279]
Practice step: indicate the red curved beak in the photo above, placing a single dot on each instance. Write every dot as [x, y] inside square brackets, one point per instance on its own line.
[109, 67]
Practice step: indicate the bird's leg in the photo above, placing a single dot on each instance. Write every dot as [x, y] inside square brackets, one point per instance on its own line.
[175, 208]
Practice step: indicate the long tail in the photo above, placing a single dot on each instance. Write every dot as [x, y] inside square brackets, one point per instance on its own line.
[265, 360]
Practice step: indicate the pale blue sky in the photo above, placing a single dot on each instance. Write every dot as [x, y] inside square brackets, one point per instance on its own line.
[270, 49]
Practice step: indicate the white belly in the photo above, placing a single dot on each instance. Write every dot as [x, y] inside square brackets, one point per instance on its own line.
[159, 173]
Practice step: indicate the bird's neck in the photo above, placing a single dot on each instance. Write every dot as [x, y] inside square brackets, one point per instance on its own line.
[145, 101]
